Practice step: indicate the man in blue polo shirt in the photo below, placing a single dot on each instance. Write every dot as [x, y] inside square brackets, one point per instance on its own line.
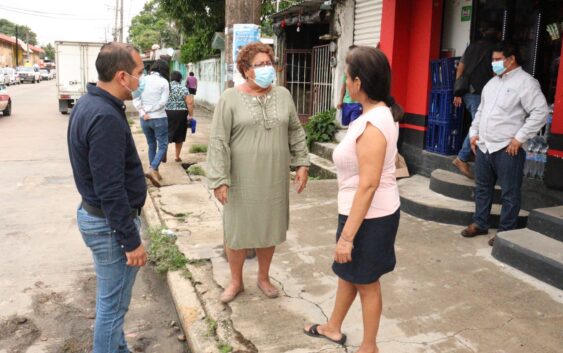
[110, 179]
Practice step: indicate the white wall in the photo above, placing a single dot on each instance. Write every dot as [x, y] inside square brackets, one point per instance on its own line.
[208, 73]
[455, 33]
[344, 28]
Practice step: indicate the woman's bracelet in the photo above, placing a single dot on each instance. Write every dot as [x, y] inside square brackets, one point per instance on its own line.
[347, 240]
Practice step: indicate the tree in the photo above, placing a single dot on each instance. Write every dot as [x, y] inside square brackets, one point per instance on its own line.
[269, 8]
[24, 32]
[198, 20]
[153, 26]
[49, 51]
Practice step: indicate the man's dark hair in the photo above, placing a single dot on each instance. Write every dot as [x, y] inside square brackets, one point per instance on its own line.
[191, 73]
[161, 66]
[371, 66]
[508, 49]
[114, 57]
[352, 46]
[176, 76]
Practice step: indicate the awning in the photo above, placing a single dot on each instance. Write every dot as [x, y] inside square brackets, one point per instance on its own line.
[303, 7]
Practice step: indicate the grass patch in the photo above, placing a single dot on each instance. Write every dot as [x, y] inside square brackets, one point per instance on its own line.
[164, 253]
[225, 348]
[198, 148]
[315, 177]
[196, 170]
[211, 327]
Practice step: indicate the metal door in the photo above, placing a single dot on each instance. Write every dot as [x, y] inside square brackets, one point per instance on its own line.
[322, 80]
[298, 64]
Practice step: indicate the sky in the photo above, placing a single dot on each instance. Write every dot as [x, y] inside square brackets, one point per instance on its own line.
[76, 20]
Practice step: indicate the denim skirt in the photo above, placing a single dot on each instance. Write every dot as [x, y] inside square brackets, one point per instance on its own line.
[374, 249]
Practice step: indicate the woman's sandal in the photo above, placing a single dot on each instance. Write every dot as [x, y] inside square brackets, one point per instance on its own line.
[314, 332]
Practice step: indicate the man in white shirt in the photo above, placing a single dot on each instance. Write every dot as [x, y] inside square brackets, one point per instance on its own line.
[512, 111]
[150, 104]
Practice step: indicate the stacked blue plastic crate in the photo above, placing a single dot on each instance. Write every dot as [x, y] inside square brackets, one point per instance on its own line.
[445, 121]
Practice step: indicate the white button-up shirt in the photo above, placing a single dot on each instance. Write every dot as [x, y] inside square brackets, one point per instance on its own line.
[154, 97]
[512, 106]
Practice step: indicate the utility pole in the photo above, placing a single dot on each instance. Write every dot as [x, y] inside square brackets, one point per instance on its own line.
[115, 23]
[17, 48]
[121, 23]
[238, 11]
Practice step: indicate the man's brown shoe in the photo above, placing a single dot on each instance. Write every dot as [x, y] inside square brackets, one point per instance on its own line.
[492, 240]
[151, 175]
[463, 168]
[472, 231]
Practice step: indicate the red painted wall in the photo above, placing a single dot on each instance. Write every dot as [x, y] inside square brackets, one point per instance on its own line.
[557, 122]
[410, 37]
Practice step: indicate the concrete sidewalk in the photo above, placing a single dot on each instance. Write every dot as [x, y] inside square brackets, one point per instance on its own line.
[447, 293]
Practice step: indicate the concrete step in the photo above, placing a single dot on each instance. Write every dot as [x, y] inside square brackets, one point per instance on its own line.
[323, 149]
[321, 167]
[548, 221]
[456, 185]
[418, 200]
[533, 253]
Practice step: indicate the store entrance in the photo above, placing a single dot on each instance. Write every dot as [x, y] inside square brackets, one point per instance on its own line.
[535, 26]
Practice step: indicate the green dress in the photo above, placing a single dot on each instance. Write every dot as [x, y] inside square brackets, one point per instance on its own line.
[253, 142]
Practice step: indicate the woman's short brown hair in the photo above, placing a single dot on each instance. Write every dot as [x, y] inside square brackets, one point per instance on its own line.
[248, 52]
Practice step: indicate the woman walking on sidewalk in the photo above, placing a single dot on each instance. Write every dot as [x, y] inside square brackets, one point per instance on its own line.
[179, 109]
[368, 198]
[255, 137]
[150, 105]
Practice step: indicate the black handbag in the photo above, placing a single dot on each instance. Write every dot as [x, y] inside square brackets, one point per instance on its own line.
[461, 86]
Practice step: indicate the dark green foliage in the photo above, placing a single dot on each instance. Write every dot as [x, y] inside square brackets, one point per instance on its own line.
[321, 127]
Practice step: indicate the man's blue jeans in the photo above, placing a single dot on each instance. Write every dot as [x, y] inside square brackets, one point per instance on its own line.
[114, 282]
[156, 132]
[472, 102]
[508, 170]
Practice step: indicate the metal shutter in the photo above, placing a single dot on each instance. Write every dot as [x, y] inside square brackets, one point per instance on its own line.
[367, 22]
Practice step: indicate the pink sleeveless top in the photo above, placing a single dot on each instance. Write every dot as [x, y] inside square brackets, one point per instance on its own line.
[386, 199]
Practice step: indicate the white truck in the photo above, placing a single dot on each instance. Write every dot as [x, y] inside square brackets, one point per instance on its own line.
[76, 67]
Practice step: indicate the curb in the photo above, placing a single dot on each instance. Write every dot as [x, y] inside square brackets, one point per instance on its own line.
[188, 306]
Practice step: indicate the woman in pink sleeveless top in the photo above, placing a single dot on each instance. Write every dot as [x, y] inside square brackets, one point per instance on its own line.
[368, 197]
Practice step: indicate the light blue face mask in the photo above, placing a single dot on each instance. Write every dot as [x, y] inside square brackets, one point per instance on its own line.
[264, 76]
[137, 93]
[498, 67]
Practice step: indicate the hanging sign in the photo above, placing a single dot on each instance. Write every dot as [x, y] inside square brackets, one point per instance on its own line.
[243, 34]
[466, 13]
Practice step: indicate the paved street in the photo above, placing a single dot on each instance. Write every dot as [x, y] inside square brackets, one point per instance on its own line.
[46, 278]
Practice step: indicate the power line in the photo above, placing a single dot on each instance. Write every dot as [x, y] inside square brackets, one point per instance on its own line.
[52, 15]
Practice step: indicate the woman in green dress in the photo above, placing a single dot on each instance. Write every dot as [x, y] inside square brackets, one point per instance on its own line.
[256, 136]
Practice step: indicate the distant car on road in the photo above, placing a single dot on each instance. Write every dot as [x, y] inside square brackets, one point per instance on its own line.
[46, 74]
[4, 77]
[12, 75]
[28, 73]
[5, 101]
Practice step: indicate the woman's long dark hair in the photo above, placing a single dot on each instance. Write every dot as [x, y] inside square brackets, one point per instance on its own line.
[161, 66]
[371, 66]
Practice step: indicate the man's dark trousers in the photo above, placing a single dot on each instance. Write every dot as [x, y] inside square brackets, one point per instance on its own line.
[508, 171]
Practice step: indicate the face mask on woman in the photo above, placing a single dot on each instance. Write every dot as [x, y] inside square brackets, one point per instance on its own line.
[264, 76]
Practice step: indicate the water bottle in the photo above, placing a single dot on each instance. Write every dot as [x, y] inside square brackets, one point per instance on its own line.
[529, 159]
[543, 160]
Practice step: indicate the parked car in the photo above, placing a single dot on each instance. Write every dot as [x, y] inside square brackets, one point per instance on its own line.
[12, 75]
[30, 74]
[5, 101]
[46, 74]
[4, 78]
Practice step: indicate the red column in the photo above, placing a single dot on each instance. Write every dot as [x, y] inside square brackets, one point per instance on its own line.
[554, 167]
[410, 37]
